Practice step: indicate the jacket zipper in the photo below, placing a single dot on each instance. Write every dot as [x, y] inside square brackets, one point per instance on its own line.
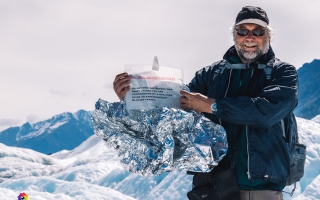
[228, 84]
[249, 176]
[241, 80]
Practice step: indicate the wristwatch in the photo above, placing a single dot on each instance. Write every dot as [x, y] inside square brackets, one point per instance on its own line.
[214, 107]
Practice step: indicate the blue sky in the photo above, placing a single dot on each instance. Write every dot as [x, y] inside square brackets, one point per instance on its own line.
[59, 56]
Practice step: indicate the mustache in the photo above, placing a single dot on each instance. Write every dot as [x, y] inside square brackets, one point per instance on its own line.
[249, 44]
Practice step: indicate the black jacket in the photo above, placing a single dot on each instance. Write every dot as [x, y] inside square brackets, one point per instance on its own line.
[261, 112]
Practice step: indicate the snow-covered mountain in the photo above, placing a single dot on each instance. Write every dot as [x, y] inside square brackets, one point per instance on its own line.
[92, 171]
[64, 131]
[316, 119]
[309, 93]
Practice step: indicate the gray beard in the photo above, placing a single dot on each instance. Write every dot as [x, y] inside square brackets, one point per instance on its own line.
[252, 56]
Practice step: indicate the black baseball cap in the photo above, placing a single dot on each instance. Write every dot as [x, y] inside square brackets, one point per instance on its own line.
[254, 15]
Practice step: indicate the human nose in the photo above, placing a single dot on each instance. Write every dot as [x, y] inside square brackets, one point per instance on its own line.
[250, 35]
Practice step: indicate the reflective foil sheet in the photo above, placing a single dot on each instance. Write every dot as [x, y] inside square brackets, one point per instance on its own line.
[150, 142]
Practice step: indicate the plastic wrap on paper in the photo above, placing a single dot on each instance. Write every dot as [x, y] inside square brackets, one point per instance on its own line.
[151, 142]
[153, 89]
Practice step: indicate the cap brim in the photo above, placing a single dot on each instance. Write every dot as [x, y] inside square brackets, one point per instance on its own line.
[253, 21]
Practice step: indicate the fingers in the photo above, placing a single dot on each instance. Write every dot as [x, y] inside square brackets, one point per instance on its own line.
[185, 93]
[123, 92]
[121, 79]
[185, 100]
[184, 103]
[121, 85]
[120, 76]
[118, 87]
[195, 101]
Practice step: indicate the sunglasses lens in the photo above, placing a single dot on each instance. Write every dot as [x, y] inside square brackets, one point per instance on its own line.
[255, 32]
[258, 32]
[242, 32]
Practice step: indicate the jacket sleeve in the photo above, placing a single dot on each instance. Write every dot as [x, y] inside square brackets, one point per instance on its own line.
[276, 100]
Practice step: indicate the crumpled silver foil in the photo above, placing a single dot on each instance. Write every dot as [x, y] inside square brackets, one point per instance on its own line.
[151, 142]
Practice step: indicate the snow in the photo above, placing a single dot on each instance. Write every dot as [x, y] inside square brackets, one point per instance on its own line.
[86, 117]
[310, 135]
[92, 171]
[56, 125]
[42, 128]
[51, 124]
[39, 129]
[50, 188]
[316, 119]
[312, 190]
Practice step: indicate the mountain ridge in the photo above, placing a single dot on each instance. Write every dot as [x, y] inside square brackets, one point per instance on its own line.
[309, 91]
[63, 131]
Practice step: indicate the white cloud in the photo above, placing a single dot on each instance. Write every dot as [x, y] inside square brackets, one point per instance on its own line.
[58, 92]
[32, 118]
[9, 122]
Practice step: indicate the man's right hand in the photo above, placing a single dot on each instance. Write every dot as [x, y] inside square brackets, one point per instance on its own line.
[121, 85]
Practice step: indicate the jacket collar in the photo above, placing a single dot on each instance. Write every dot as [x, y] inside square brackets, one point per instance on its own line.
[232, 56]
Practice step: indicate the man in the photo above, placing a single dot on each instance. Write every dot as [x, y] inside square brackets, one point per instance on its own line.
[248, 105]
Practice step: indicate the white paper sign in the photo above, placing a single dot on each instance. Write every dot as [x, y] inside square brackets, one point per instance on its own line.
[150, 89]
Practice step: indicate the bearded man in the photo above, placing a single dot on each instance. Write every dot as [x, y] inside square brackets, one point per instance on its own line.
[238, 94]
[252, 95]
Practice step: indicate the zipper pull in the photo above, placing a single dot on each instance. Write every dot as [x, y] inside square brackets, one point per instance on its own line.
[249, 177]
[240, 83]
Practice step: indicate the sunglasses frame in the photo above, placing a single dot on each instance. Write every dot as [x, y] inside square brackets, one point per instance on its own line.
[252, 32]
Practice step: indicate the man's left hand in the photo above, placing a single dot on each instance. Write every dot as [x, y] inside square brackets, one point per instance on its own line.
[196, 102]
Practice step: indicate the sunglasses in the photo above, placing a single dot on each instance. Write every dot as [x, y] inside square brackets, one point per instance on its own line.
[255, 32]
